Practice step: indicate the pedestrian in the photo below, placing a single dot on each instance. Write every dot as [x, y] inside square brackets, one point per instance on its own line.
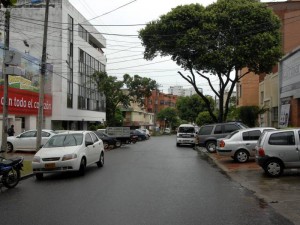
[11, 131]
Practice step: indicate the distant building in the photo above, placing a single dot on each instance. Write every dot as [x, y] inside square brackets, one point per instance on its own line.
[159, 101]
[180, 91]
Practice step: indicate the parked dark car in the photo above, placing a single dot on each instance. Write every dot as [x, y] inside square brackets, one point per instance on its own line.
[208, 134]
[141, 136]
[108, 140]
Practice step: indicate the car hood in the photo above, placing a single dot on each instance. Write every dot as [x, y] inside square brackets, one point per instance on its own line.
[56, 152]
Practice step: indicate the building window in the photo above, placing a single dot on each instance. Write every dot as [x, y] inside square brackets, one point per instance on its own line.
[261, 97]
[70, 56]
[89, 98]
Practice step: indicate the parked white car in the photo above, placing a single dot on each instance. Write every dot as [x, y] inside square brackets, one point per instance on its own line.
[69, 151]
[240, 144]
[26, 141]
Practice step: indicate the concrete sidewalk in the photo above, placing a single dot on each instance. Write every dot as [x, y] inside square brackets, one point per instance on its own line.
[280, 193]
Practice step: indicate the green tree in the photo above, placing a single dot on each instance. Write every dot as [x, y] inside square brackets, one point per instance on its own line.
[215, 43]
[7, 3]
[203, 118]
[249, 114]
[189, 107]
[137, 89]
[169, 116]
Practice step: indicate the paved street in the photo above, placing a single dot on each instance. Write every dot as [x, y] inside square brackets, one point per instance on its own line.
[151, 182]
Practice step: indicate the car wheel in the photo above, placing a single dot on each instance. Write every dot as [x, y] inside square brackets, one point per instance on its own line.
[100, 163]
[273, 168]
[211, 146]
[139, 139]
[39, 176]
[241, 156]
[118, 144]
[81, 171]
[10, 147]
[177, 144]
[105, 145]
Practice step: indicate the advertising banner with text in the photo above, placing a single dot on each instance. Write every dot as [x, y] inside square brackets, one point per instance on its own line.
[24, 102]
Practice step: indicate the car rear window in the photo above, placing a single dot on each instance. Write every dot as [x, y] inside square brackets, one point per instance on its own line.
[206, 130]
[282, 138]
[186, 130]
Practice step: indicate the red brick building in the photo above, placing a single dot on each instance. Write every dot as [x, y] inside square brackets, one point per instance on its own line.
[158, 101]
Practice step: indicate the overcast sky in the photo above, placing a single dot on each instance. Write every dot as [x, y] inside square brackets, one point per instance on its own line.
[125, 53]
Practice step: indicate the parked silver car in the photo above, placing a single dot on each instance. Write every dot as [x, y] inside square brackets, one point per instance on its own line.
[240, 144]
[278, 150]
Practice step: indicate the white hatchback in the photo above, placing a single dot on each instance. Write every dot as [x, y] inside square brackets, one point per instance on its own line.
[69, 151]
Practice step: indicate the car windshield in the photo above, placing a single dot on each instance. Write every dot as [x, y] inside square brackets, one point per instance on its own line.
[64, 140]
[186, 130]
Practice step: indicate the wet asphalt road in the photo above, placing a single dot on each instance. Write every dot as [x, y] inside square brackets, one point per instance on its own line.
[150, 182]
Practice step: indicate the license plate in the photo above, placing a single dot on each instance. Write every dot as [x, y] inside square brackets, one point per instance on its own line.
[50, 166]
[186, 141]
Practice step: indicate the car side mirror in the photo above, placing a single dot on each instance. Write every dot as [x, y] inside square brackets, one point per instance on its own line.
[88, 143]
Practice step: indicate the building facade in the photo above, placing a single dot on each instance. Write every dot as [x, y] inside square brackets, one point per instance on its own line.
[270, 91]
[267, 95]
[74, 51]
[157, 102]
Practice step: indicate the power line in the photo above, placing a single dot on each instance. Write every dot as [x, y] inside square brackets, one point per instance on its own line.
[111, 11]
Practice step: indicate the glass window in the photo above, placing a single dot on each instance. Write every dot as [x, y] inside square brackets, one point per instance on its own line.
[28, 134]
[45, 134]
[186, 130]
[245, 136]
[282, 138]
[94, 137]
[230, 127]
[64, 140]
[206, 130]
[88, 138]
[254, 135]
[218, 129]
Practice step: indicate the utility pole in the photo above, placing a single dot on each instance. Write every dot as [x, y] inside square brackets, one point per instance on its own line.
[5, 88]
[42, 81]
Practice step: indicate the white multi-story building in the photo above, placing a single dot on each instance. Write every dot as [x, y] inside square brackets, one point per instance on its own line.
[74, 53]
[180, 91]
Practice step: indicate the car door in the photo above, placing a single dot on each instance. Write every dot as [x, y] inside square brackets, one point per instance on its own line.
[97, 147]
[250, 139]
[26, 140]
[89, 149]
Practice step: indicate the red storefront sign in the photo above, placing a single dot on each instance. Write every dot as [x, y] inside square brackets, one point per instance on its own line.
[24, 102]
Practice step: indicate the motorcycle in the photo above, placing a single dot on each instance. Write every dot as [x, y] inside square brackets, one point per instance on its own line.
[10, 171]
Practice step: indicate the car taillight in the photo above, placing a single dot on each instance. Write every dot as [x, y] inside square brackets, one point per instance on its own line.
[222, 144]
[261, 152]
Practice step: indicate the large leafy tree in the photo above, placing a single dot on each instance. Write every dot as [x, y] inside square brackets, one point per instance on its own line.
[139, 88]
[216, 43]
[189, 107]
[122, 93]
[169, 116]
